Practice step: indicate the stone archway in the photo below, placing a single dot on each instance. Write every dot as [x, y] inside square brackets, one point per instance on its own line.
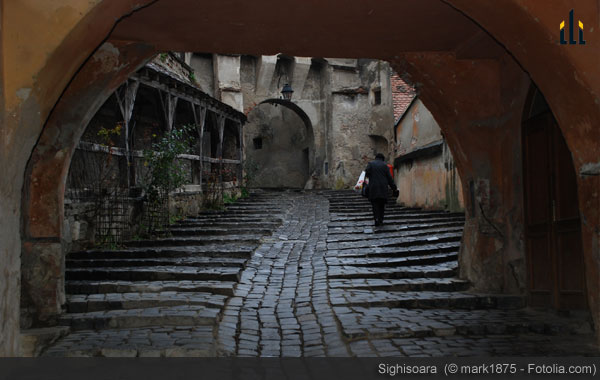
[31, 97]
[279, 142]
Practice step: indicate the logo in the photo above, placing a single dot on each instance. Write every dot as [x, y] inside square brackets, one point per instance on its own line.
[563, 41]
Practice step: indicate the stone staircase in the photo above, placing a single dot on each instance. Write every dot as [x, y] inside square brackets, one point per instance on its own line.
[400, 280]
[160, 293]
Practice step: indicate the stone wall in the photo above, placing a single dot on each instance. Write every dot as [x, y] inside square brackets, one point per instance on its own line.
[425, 172]
[277, 142]
[344, 105]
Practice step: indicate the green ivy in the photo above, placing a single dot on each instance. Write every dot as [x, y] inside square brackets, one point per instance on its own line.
[165, 172]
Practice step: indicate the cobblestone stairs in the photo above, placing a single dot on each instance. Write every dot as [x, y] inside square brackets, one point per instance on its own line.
[164, 296]
[392, 284]
[301, 273]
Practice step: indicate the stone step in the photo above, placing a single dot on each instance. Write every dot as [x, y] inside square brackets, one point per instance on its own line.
[226, 250]
[397, 242]
[350, 203]
[182, 315]
[390, 223]
[84, 303]
[384, 322]
[402, 285]
[423, 300]
[193, 261]
[241, 212]
[393, 262]
[393, 228]
[119, 286]
[393, 252]
[153, 273]
[406, 232]
[212, 231]
[415, 271]
[390, 215]
[353, 208]
[231, 219]
[170, 341]
[263, 207]
[216, 224]
[191, 241]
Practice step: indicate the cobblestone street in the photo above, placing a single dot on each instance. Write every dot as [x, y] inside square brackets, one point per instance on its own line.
[301, 274]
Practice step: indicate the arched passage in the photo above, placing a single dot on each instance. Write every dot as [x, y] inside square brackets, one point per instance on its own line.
[279, 143]
[480, 159]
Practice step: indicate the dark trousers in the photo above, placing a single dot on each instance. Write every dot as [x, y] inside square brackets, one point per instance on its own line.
[378, 210]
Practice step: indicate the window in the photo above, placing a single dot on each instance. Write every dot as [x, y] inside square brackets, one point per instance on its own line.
[377, 97]
[257, 142]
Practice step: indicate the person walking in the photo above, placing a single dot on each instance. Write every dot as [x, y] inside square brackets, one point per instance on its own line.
[379, 176]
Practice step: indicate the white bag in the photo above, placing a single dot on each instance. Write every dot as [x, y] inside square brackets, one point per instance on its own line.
[360, 182]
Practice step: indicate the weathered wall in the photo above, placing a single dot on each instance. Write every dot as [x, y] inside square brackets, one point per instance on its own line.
[335, 97]
[204, 73]
[480, 131]
[282, 159]
[360, 127]
[425, 172]
[430, 182]
[417, 129]
[41, 60]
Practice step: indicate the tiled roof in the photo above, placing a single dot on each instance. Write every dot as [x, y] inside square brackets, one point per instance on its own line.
[402, 95]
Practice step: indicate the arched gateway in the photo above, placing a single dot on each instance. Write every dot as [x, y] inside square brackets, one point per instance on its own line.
[473, 64]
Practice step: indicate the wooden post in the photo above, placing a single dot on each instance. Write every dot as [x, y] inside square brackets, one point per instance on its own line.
[126, 103]
[240, 171]
[169, 104]
[221, 123]
[199, 120]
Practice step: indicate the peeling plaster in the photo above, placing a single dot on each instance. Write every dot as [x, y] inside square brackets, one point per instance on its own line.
[23, 93]
[590, 169]
[106, 55]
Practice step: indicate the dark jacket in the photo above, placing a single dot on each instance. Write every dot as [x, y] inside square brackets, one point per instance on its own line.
[379, 178]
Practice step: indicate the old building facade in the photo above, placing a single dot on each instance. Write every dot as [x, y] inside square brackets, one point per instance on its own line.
[425, 171]
[338, 117]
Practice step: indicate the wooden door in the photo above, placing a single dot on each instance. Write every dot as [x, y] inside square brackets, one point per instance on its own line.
[552, 224]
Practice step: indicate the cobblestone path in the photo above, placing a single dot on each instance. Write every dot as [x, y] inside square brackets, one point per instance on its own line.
[301, 274]
[164, 297]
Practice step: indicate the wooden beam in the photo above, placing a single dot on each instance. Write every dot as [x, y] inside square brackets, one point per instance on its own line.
[203, 101]
[200, 120]
[221, 127]
[98, 148]
[126, 101]
[169, 105]
[240, 168]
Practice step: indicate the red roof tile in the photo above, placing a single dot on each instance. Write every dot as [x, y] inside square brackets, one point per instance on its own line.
[402, 95]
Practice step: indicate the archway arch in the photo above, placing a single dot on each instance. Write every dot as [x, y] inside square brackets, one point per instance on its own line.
[279, 142]
[533, 44]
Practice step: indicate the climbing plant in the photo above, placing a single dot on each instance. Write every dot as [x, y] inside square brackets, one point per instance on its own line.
[164, 174]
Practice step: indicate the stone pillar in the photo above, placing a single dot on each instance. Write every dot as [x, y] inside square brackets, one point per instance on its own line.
[227, 80]
[264, 74]
[300, 69]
